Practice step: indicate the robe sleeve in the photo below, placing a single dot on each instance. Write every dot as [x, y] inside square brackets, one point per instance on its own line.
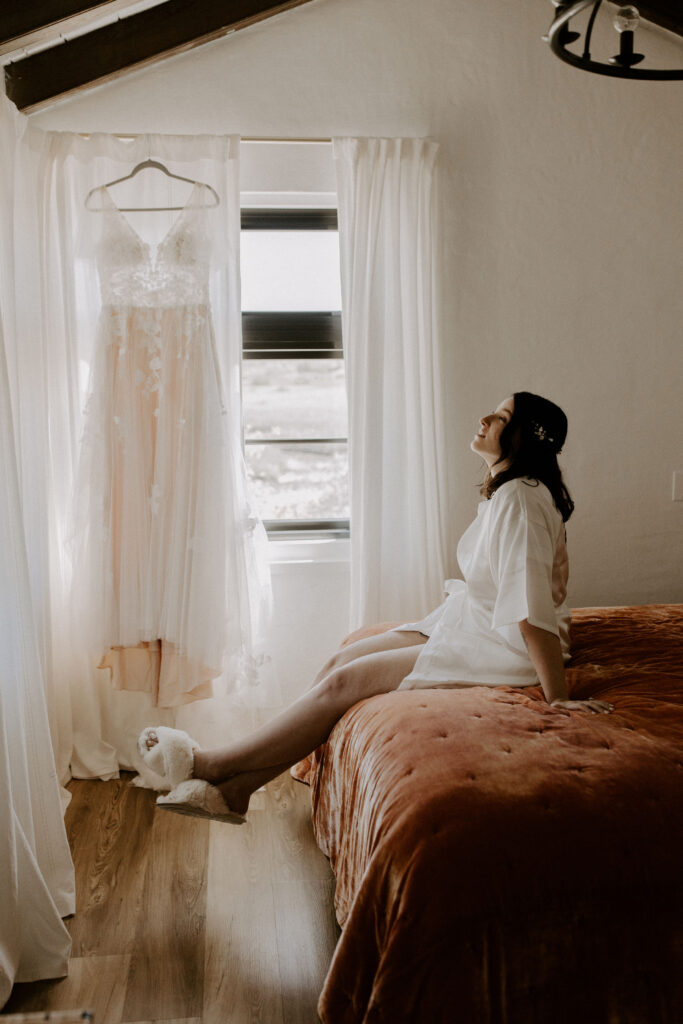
[522, 539]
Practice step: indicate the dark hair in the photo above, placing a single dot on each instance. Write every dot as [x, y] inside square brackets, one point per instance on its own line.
[531, 441]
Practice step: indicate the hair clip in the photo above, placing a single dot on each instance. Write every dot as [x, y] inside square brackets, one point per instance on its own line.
[541, 434]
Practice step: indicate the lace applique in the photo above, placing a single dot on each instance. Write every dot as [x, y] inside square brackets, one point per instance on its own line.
[173, 273]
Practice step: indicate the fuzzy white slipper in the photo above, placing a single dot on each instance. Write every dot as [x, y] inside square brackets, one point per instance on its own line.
[171, 757]
[201, 799]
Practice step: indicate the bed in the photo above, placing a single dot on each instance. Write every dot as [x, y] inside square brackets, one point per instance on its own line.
[499, 861]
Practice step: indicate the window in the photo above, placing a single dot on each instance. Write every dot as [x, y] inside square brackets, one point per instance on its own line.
[293, 389]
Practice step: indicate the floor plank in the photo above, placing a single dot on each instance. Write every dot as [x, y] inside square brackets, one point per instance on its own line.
[179, 1020]
[242, 974]
[96, 983]
[306, 927]
[166, 975]
[305, 941]
[110, 832]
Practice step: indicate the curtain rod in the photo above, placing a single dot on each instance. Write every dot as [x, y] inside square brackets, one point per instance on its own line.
[243, 138]
[267, 138]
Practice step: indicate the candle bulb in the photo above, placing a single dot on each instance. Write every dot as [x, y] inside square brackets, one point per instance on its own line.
[625, 22]
[626, 19]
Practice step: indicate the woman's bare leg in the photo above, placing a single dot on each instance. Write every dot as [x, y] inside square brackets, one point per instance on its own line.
[390, 640]
[360, 670]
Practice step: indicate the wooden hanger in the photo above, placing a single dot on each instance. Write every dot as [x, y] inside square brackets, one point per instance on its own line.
[156, 166]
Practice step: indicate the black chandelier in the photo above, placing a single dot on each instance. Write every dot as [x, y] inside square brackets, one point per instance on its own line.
[623, 65]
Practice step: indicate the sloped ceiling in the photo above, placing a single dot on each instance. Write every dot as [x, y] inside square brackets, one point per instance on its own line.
[52, 48]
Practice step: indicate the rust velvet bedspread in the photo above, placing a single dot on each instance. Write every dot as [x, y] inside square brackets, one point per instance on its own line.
[499, 861]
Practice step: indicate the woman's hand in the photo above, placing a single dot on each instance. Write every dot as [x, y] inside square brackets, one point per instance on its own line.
[546, 656]
[598, 707]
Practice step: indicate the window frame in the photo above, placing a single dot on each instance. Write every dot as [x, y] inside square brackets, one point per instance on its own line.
[294, 335]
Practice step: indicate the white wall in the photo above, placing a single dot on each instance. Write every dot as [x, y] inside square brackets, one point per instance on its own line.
[562, 227]
[311, 609]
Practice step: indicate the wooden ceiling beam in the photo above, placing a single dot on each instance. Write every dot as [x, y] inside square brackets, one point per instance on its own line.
[44, 21]
[666, 13]
[141, 39]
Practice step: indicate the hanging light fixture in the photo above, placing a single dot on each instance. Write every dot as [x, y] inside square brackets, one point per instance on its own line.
[623, 64]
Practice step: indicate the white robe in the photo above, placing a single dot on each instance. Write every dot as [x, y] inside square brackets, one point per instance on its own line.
[514, 560]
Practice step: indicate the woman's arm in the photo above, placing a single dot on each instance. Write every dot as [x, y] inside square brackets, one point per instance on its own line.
[546, 656]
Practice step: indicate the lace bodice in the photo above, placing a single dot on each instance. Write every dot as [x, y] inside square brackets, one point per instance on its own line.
[175, 272]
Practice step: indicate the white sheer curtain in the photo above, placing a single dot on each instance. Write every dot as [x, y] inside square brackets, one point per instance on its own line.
[36, 873]
[94, 727]
[387, 216]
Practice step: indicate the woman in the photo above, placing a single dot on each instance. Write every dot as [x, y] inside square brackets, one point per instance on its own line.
[508, 624]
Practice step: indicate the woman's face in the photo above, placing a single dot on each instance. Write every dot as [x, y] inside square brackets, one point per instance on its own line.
[487, 441]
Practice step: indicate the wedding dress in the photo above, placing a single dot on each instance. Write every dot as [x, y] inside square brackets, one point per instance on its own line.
[172, 554]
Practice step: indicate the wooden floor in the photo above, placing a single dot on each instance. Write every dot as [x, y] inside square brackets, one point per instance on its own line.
[183, 920]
